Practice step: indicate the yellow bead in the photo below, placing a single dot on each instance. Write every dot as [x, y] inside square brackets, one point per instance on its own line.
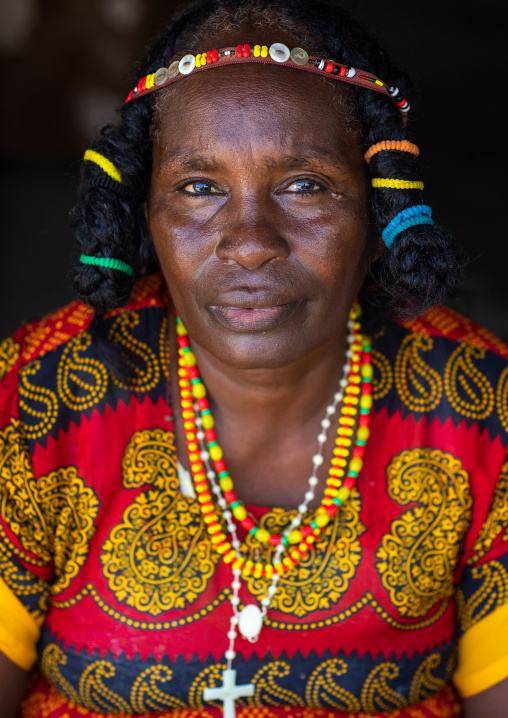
[188, 425]
[199, 390]
[356, 464]
[268, 570]
[208, 421]
[295, 554]
[279, 567]
[322, 520]
[366, 401]
[215, 453]
[218, 538]
[367, 371]
[194, 457]
[262, 535]
[238, 563]
[223, 548]
[181, 330]
[226, 483]
[287, 562]
[343, 494]
[258, 570]
[363, 433]
[310, 539]
[303, 547]
[341, 452]
[230, 556]
[257, 50]
[355, 379]
[247, 569]
[190, 359]
[213, 529]
[330, 492]
[240, 513]
[295, 537]
[201, 489]
[209, 519]
[198, 60]
[335, 482]
[193, 446]
[264, 51]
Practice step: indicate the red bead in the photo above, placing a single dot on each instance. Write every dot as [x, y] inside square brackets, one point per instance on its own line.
[203, 404]
[246, 50]
[329, 67]
[210, 435]
[367, 357]
[293, 560]
[230, 497]
[306, 530]
[342, 70]
[274, 540]
[349, 482]
[142, 84]
[248, 524]
[358, 452]
[332, 510]
[183, 341]
[193, 372]
[401, 103]
[209, 57]
[130, 96]
[367, 388]
[215, 55]
[220, 465]
[239, 51]
[364, 420]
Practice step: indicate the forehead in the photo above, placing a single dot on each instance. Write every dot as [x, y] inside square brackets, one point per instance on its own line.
[257, 107]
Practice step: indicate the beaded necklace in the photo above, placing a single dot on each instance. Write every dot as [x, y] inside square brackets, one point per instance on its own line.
[207, 462]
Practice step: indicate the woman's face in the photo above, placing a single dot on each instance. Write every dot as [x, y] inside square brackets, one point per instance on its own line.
[259, 212]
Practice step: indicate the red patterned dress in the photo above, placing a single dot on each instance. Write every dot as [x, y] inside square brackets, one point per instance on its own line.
[109, 582]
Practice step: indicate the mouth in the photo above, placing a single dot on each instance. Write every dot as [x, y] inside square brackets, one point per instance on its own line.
[252, 319]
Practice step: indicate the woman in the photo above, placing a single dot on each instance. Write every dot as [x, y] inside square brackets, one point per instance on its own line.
[164, 550]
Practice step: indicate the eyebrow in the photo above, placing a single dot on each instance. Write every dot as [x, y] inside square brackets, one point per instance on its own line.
[190, 160]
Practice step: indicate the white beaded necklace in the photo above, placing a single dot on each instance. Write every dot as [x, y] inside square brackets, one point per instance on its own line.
[250, 619]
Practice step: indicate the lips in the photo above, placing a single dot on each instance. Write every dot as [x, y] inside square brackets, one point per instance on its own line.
[253, 318]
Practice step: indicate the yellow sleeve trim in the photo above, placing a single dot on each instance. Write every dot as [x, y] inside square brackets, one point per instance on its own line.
[19, 631]
[483, 654]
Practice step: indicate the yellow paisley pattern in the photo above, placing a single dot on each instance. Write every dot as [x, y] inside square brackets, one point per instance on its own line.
[468, 390]
[418, 384]
[266, 690]
[491, 594]
[39, 403]
[148, 695]
[53, 516]
[382, 381]
[377, 694]
[502, 398]
[424, 684]
[88, 375]
[323, 576]
[209, 677]
[416, 560]
[9, 353]
[323, 690]
[138, 356]
[158, 557]
[496, 521]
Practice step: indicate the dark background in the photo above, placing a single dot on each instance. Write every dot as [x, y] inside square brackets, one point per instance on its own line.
[66, 64]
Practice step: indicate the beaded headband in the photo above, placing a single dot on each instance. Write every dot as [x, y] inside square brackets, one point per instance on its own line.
[276, 54]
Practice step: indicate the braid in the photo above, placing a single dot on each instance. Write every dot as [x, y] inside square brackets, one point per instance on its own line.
[420, 268]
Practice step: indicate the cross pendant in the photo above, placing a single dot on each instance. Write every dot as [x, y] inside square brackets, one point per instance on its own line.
[228, 692]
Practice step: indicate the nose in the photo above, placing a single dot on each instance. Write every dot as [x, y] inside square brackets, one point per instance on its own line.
[250, 238]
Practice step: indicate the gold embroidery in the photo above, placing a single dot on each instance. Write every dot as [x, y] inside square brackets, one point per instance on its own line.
[210, 677]
[137, 354]
[324, 575]
[23, 582]
[377, 695]
[323, 690]
[97, 696]
[30, 394]
[88, 375]
[468, 390]
[418, 384]
[497, 518]
[52, 517]
[158, 558]
[424, 684]
[492, 593]
[502, 398]
[266, 690]
[52, 658]
[416, 560]
[9, 353]
[146, 695]
[383, 377]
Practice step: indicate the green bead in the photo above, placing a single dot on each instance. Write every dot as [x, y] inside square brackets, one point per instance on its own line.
[314, 525]
[223, 474]
[284, 540]
[195, 381]
[234, 504]
[253, 530]
[337, 501]
[354, 474]
[206, 412]
[360, 442]
[212, 443]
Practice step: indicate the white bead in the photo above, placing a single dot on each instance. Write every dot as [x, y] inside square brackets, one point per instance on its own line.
[236, 585]
[343, 382]
[250, 621]
[265, 601]
[272, 590]
[234, 620]
[199, 421]
[302, 509]
[235, 543]
[321, 438]
[349, 353]
[339, 395]
[200, 435]
[330, 410]
[326, 423]
[227, 514]
[317, 459]
[309, 495]
[205, 455]
[279, 52]
[296, 522]
[347, 368]
[187, 64]
[350, 324]
[210, 474]
[232, 634]
[216, 490]
[313, 481]
[235, 600]
[230, 655]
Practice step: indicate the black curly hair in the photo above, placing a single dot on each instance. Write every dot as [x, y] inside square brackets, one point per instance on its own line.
[419, 270]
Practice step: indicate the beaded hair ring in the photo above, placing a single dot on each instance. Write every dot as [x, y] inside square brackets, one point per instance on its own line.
[276, 54]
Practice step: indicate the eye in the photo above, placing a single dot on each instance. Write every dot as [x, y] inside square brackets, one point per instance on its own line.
[200, 188]
[304, 186]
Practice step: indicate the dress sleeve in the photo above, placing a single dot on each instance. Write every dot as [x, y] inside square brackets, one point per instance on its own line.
[25, 559]
[482, 602]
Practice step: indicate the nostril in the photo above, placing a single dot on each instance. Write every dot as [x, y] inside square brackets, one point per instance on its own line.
[252, 250]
